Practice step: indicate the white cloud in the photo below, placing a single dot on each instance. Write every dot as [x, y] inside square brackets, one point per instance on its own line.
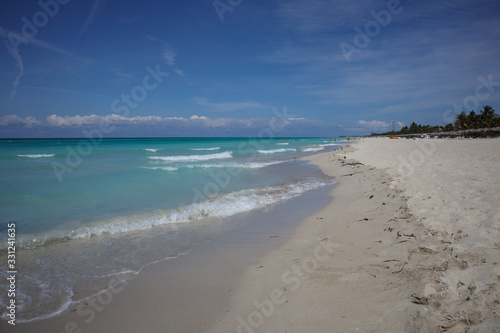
[13, 50]
[118, 72]
[16, 120]
[167, 53]
[19, 61]
[92, 15]
[195, 121]
[154, 39]
[317, 15]
[55, 120]
[194, 125]
[169, 57]
[380, 126]
[374, 125]
[230, 106]
[412, 83]
[195, 117]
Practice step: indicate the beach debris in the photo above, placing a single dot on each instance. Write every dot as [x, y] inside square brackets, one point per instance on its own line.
[398, 263]
[419, 300]
[404, 264]
[425, 250]
[274, 236]
[260, 267]
[405, 235]
[371, 196]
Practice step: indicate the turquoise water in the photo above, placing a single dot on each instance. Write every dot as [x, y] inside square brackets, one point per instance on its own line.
[87, 210]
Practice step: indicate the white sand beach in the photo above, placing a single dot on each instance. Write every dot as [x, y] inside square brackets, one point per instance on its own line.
[452, 190]
[414, 235]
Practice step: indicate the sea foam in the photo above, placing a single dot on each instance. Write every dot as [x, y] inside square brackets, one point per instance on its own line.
[37, 155]
[235, 165]
[220, 206]
[193, 158]
[313, 149]
[274, 151]
[162, 168]
[213, 148]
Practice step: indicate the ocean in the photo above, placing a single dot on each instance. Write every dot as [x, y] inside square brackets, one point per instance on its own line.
[86, 212]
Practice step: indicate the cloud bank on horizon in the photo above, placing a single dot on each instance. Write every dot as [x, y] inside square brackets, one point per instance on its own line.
[223, 68]
[143, 126]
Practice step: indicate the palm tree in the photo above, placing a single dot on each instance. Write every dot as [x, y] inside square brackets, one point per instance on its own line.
[461, 121]
[473, 120]
[488, 116]
[414, 128]
[448, 128]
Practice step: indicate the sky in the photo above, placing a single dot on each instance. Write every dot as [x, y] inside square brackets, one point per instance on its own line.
[123, 68]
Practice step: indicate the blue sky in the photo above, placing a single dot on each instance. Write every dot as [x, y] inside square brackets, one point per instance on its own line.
[239, 67]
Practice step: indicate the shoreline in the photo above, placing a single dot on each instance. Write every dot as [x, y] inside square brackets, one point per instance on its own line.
[166, 295]
[403, 245]
[413, 227]
[96, 223]
[324, 278]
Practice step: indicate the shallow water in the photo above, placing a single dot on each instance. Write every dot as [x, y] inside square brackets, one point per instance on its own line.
[83, 216]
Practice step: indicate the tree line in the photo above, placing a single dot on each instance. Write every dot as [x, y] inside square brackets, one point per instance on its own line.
[486, 118]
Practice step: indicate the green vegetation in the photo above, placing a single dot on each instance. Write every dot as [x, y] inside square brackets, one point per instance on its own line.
[416, 128]
[487, 118]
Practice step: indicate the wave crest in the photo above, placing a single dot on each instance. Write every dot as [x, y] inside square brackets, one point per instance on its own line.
[221, 206]
[213, 148]
[193, 158]
[37, 155]
[274, 151]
